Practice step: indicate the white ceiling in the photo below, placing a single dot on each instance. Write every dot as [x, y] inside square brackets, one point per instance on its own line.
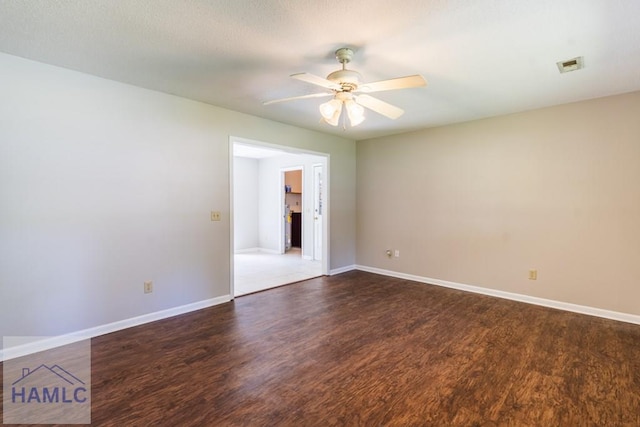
[481, 58]
[255, 151]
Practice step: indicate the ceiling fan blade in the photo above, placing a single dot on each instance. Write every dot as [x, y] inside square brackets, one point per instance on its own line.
[315, 80]
[379, 106]
[391, 84]
[293, 98]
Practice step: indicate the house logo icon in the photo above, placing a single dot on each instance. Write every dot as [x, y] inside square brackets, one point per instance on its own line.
[48, 385]
[52, 386]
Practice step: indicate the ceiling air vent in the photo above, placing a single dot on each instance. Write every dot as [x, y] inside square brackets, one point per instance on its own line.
[571, 64]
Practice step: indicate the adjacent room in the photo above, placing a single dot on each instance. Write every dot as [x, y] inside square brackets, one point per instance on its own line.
[279, 230]
[321, 213]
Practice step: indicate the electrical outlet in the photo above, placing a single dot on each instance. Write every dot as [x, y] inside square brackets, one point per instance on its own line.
[215, 215]
[396, 253]
[533, 274]
[148, 287]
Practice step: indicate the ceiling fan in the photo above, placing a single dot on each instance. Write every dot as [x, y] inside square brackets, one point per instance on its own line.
[346, 88]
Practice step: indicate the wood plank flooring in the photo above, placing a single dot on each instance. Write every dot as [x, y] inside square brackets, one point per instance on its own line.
[360, 349]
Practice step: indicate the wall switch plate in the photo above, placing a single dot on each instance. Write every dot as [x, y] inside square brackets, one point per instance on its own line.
[215, 215]
[396, 253]
[148, 287]
[533, 274]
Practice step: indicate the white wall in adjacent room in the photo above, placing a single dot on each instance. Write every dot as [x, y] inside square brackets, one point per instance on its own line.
[271, 200]
[245, 203]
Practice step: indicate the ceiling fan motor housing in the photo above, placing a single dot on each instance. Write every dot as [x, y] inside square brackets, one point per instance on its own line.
[347, 79]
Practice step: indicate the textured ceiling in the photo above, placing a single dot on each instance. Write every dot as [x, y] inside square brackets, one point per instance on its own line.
[481, 58]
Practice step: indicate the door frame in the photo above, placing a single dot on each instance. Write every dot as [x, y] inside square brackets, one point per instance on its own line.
[326, 227]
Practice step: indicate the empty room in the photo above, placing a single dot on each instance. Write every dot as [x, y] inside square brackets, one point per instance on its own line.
[460, 245]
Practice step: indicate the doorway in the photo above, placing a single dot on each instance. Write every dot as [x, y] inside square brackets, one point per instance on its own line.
[293, 196]
[259, 197]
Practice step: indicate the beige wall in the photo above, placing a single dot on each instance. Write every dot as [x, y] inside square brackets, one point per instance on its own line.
[481, 203]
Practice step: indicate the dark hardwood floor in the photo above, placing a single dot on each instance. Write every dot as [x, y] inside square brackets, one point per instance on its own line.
[360, 349]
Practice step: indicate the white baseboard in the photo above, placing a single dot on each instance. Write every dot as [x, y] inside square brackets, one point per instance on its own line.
[52, 342]
[342, 269]
[246, 250]
[582, 309]
[256, 250]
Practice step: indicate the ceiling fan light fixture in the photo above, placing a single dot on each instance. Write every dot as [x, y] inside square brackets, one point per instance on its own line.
[331, 110]
[355, 112]
[335, 119]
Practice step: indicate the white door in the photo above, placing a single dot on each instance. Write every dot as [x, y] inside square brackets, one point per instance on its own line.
[318, 206]
[286, 214]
